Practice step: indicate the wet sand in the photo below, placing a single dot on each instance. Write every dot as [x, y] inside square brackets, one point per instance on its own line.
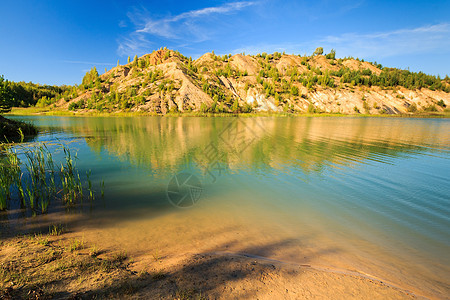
[209, 239]
[46, 266]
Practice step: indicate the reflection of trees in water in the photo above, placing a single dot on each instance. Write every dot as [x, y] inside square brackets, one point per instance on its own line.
[309, 143]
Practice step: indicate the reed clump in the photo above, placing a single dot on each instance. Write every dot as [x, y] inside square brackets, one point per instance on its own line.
[36, 182]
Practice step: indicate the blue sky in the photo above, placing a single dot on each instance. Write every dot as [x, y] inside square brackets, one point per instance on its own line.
[56, 42]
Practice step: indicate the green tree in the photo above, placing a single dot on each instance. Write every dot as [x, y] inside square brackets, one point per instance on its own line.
[118, 64]
[203, 108]
[277, 99]
[90, 77]
[6, 100]
[235, 107]
[412, 108]
[319, 51]
[135, 60]
[332, 54]
[311, 108]
[128, 60]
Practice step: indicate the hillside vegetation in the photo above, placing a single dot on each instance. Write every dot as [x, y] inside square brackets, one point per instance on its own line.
[25, 94]
[166, 81]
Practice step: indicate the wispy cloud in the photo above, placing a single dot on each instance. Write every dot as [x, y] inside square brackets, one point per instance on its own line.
[122, 24]
[165, 27]
[425, 39]
[397, 42]
[135, 43]
[87, 63]
[188, 26]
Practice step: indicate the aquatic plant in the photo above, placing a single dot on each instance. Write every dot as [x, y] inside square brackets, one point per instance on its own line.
[102, 187]
[35, 183]
[91, 192]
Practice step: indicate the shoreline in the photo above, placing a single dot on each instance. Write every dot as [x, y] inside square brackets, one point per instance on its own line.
[43, 258]
[47, 112]
[15, 130]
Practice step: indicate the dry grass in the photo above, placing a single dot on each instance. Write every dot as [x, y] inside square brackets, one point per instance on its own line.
[44, 266]
[50, 266]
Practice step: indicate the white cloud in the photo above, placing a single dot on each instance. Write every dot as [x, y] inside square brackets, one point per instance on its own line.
[425, 39]
[122, 24]
[133, 44]
[397, 42]
[184, 27]
[165, 27]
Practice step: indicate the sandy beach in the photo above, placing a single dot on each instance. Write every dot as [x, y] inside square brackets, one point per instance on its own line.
[64, 267]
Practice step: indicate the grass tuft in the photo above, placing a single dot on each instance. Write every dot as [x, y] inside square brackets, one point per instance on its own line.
[56, 229]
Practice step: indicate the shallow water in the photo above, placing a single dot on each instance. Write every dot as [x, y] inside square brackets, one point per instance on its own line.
[363, 194]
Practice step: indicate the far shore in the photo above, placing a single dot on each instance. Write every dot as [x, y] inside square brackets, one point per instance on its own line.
[30, 111]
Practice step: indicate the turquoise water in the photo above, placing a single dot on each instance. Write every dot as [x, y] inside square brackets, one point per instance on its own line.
[365, 194]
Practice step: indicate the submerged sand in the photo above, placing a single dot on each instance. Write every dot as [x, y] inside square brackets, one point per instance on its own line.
[222, 255]
[216, 249]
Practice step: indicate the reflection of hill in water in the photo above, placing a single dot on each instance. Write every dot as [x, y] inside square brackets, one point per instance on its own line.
[162, 143]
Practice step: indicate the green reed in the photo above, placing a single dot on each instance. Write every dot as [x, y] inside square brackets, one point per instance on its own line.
[102, 187]
[10, 175]
[36, 182]
[39, 190]
[91, 192]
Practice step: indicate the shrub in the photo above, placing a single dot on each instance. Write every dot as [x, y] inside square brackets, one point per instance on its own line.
[366, 107]
[332, 54]
[431, 108]
[203, 108]
[235, 107]
[412, 108]
[77, 105]
[311, 108]
[318, 51]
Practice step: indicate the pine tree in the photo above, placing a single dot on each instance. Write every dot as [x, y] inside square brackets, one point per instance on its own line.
[5, 96]
[235, 107]
[319, 51]
[118, 64]
[128, 59]
[90, 77]
[332, 54]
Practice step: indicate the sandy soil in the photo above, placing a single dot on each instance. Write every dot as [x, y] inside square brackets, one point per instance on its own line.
[61, 267]
[88, 263]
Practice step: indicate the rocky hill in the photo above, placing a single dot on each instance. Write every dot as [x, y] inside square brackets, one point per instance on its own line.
[166, 81]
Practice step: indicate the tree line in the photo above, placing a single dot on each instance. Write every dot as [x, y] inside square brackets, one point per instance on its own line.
[25, 94]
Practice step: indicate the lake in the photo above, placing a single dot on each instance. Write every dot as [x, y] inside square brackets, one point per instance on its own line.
[367, 195]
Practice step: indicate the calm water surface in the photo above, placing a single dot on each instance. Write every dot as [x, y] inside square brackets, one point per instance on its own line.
[361, 194]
